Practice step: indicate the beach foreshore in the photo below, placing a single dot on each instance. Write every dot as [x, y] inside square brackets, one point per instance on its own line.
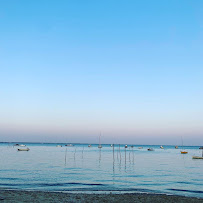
[39, 196]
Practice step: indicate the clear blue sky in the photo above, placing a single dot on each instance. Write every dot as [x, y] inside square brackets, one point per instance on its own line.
[132, 70]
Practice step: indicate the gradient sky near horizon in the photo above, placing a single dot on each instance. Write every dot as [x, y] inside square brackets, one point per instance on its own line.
[132, 70]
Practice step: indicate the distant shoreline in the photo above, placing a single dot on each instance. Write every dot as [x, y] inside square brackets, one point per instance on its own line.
[23, 142]
[41, 196]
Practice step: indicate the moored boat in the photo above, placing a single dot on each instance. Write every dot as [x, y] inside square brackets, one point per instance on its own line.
[69, 145]
[183, 152]
[197, 157]
[150, 149]
[27, 149]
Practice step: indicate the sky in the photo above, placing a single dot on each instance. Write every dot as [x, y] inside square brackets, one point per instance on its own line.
[130, 70]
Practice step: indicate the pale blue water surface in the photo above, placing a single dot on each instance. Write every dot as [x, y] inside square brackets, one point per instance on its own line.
[89, 169]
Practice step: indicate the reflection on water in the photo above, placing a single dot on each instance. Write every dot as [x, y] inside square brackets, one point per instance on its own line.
[116, 168]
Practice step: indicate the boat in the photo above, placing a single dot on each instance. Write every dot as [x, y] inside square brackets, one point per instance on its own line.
[140, 147]
[99, 146]
[126, 146]
[199, 157]
[22, 145]
[89, 145]
[161, 147]
[150, 149]
[27, 149]
[176, 147]
[69, 145]
[58, 145]
[183, 151]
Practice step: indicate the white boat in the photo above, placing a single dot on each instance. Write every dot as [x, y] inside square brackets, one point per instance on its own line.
[89, 145]
[100, 146]
[27, 149]
[199, 157]
[126, 146]
[161, 147]
[69, 145]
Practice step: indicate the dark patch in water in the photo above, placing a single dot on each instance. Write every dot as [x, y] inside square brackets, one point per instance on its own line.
[183, 182]
[192, 191]
[136, 176]
[2, 178]
[72, 183]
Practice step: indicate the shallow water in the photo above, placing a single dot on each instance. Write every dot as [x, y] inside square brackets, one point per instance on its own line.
[82, 168]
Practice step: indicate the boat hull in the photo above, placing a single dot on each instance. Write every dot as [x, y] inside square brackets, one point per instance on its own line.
[184, 152]
[197, 157]
[24, 149]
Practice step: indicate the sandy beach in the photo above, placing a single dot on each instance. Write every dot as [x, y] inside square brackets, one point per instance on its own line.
[37, 196]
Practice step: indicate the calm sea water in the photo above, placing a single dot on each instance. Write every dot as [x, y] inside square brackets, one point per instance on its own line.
[82, 168]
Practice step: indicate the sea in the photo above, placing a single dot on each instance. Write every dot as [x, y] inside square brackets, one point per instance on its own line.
[110, 169]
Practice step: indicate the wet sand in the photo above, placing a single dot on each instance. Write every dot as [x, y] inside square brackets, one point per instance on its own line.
[37, 196]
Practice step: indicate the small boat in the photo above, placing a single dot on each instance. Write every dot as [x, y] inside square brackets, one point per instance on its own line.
[69, 145]
[161, 147]
[183, 152]
[58, 145]
[199, 157]
[176, 147]
[89, 145]
[27, 149]
[150, 149]
[126, 146]
[22, 145]
[140, 147]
